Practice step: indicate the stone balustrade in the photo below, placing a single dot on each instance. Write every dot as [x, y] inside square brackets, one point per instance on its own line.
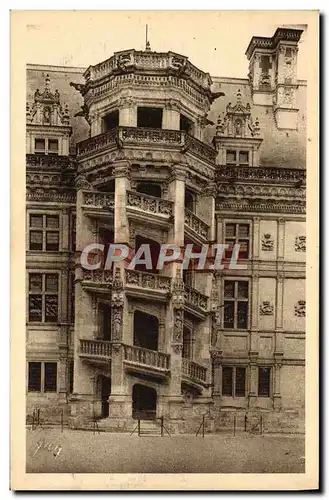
[98, 276]
[194, 371]
[260, 174]
[147, 357]
[98, 348]
[149, 204]
[96, 199]
[148, 280]
[131, 136]
[196, 224]
[195, 298]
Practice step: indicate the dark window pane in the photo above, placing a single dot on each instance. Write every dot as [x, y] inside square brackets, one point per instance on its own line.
[35, 282]
[243, 230]
[36, 221]
[229, 289]
[243, 289]
[52, 241]
[50, 377]
[35, 240]
[185, 124]
[242, 315]
[34, 381]
[244, 157]
[228, 314]
[39, 144]
[264, 376]
[227, 381]
[52, 283]
[243, 249]
[51, 308]
[53, 146]
[149, 117]
[111, 120]
[240, 381]
[229, 250]
[52, 221]
[35, 308]
[149, 188]
[73, 233]
[230, 156]
[230, 230]
[72, 298]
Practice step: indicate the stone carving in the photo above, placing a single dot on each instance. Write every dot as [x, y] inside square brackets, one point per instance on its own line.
[300, 244]
[195, 298]
[300, 308]
[46, 108]
[267, 243]
[99, 200]
[178, 325]
[196, 224]
[259, 174]
[81, 182]
[117, 320]
[178, 292]
[266, 308]
[177, 348]
[259, 205]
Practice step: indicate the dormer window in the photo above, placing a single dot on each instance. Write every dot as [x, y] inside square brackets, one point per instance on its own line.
[46, 146]
[237, 158]
[149, 117]
[40, 146]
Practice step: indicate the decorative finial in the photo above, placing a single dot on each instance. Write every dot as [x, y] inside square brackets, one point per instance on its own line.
[47, 82]
[239, 97]
[147, 43]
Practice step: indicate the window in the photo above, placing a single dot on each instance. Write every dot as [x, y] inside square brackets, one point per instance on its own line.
[104, 311]
[236, 304]
[39, 146]
[234, 381]
[185, 124]
[46, 146]
[149, 117]
[187, 352]
[44, 232]
[71, 376]
[72, 297]
[42, 376]
[111, 120]
[150, 189]
[237, 157]
[43, 298]
[34, 381]
[189, 200]
[264, 380]
[237, 234]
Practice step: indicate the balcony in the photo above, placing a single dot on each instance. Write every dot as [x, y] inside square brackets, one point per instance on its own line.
[195, 302]
[272, 174]
[98, 204]
[145, 207]
[146, 362]
[96, 351]
[98, 280]
[147, 285]
[195, 227]
[137, 137]
[193, 373]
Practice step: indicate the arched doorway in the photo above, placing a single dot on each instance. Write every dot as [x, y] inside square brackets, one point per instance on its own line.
[146, 330]
[154, 247]
[144, 402]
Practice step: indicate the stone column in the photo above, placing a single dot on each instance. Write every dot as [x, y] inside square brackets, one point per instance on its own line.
[280, 239]
[254, 315]
[127, 112]
[277, 389]
[256, 239]
[279, 315]
[96, 127]
[253, 392]
[171, 117]
[122, 184]
[217, 373]
[81, 400]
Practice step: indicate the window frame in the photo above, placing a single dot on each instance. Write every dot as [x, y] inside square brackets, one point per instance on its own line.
[233, 387]
[238, 239]
[44, 229]
[235, 300]
[46, 150]
[237, 161]
[43, 293]
[42, 376]
[270, 382]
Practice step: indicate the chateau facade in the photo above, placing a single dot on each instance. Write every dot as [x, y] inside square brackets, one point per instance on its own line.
[146, 148]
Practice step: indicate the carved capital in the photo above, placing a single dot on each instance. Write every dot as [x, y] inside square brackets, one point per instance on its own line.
[121, 169]
[81, 182]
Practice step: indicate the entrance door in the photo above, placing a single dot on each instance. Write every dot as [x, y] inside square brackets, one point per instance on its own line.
[105, 392]
[144, 402]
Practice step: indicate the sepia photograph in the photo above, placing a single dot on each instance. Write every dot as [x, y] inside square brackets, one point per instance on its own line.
[163, 315]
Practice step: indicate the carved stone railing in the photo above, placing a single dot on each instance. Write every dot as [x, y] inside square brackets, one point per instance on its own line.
[196, 224]
[194, 371]
[195, 298]
[97, 348]
[149, 204]
[261, 174]
[49, 161]
[148, 280]
[142, 356]
[132, 59]
[98, 276]
[136, 136]
[98, 199]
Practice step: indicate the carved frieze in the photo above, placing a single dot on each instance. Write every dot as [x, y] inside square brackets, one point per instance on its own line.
[266, 308]
[300, 308]
[267, 242]
[300, 244]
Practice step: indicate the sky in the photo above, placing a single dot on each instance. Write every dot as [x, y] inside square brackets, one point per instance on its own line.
[215, 41]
